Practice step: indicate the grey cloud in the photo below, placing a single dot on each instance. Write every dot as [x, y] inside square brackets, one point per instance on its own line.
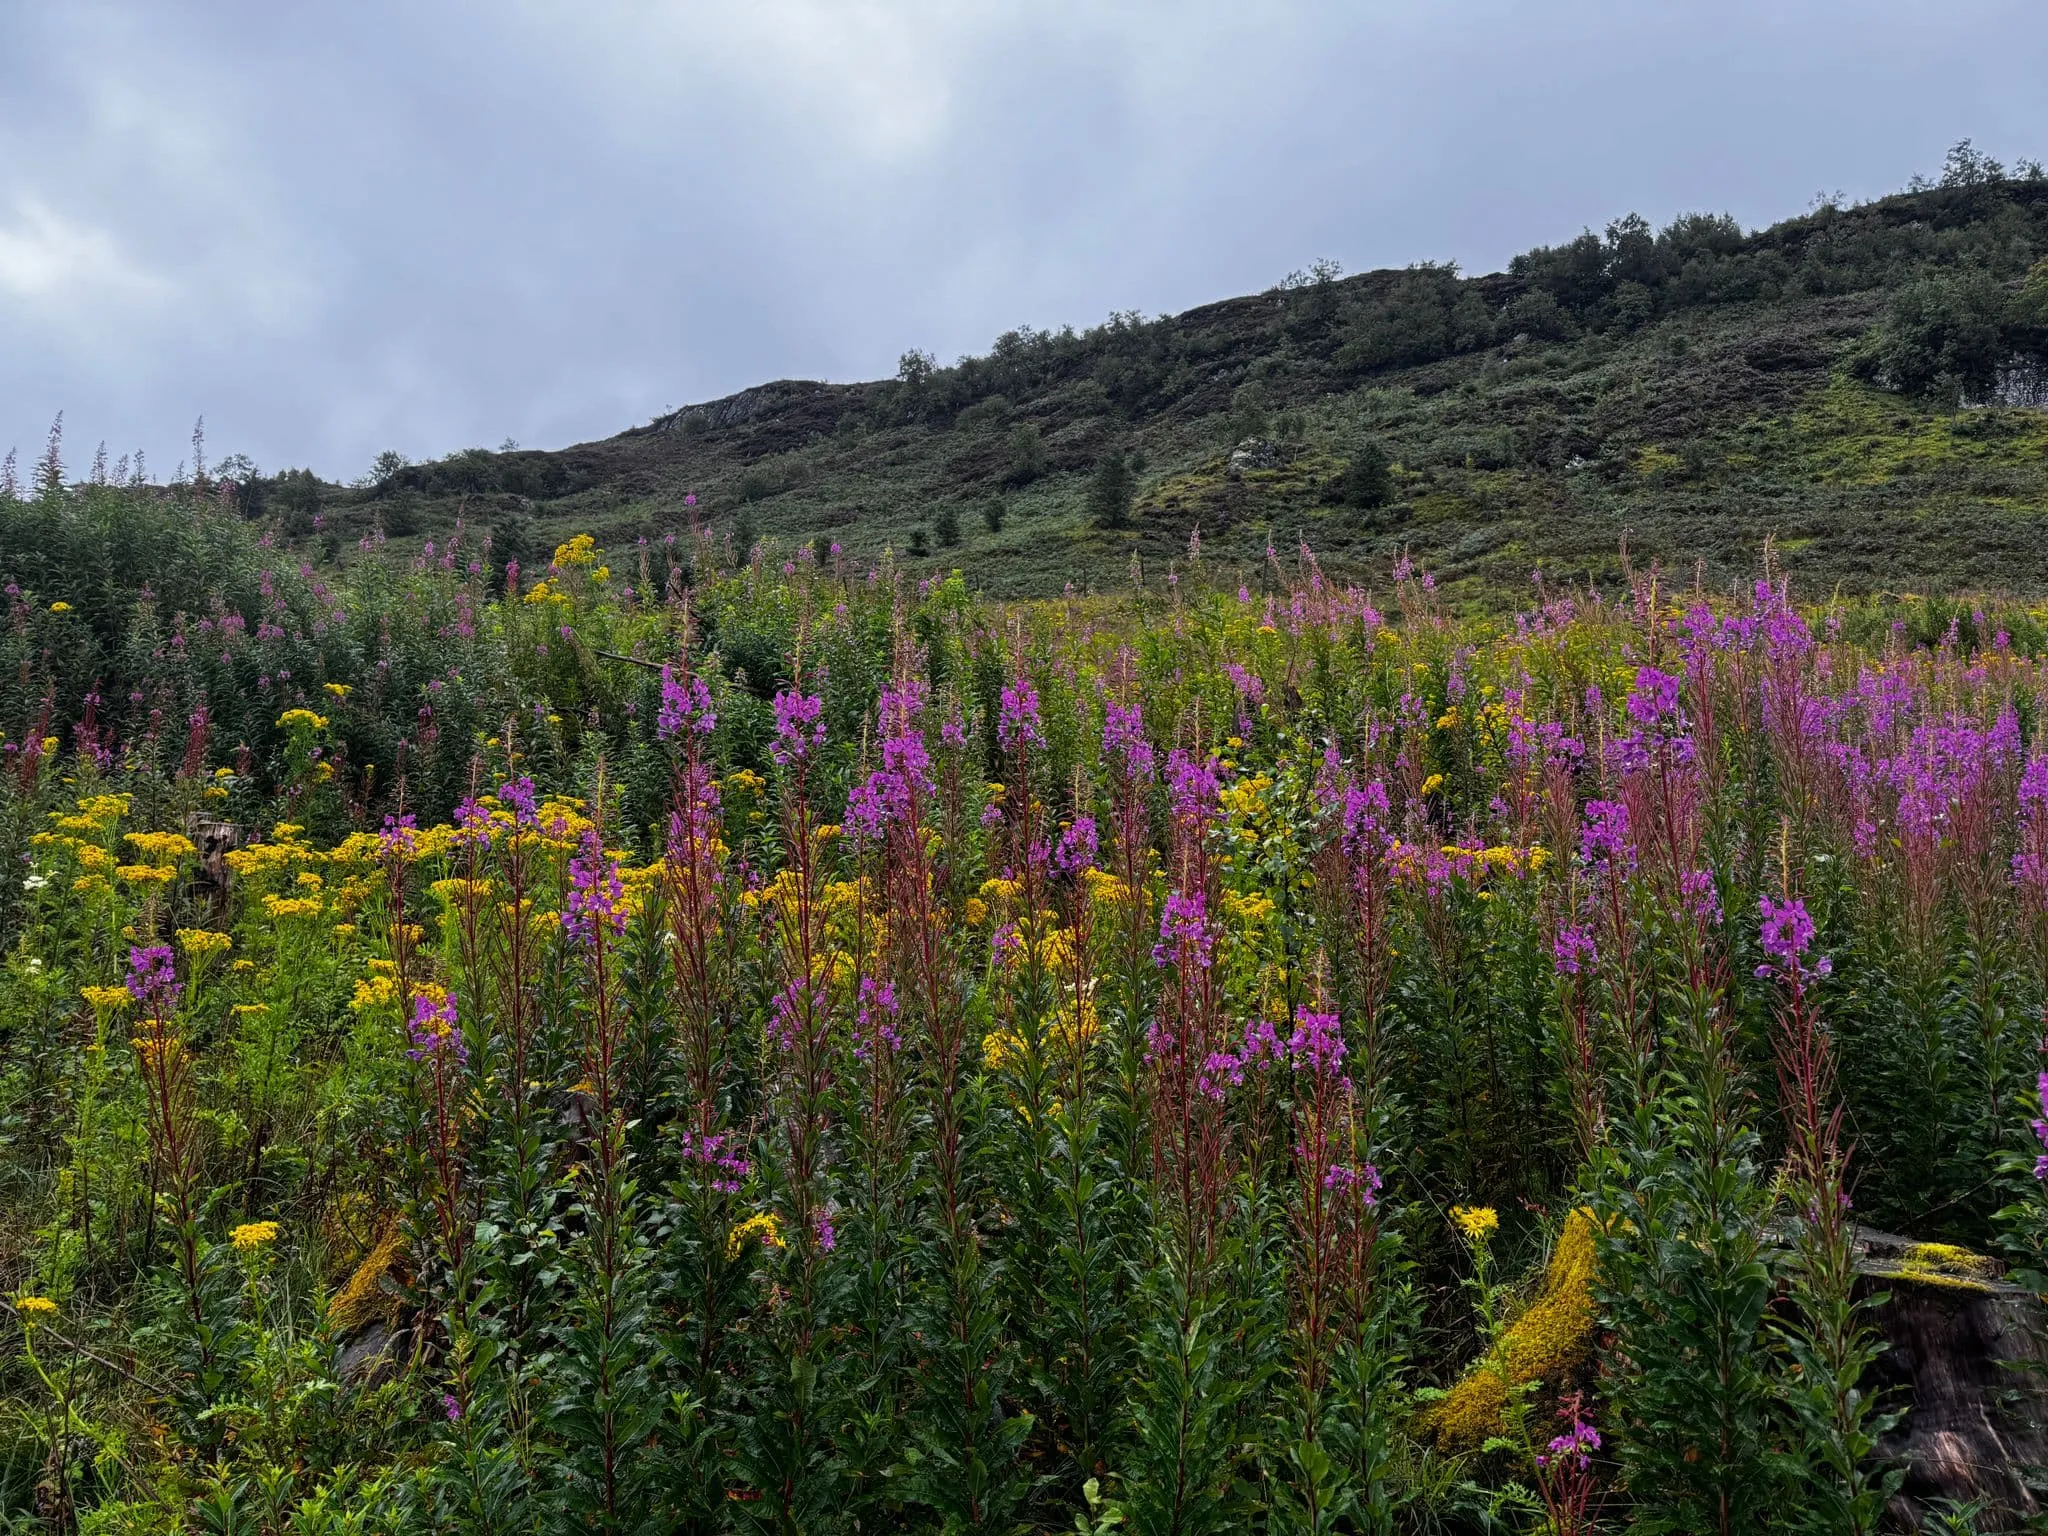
[426, 226]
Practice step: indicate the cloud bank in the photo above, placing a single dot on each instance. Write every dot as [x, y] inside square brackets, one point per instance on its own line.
[438, 224]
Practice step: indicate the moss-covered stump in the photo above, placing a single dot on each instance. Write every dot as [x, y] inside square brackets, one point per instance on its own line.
[1968, 1361]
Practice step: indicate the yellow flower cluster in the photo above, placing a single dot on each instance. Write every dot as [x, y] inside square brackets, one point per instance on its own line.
[301, 719]
[1105, 888]
[35, 1308]
[284, 908]
[763, 1225]
[160, 847]
[1477, 1222]
[201, 944]
[107, 999]
[581, 550]
[1249, 911]
[147, 874]
[253, 1236]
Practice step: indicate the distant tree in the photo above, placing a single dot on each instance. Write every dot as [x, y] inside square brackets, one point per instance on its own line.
[1111, 491]
[1368, 480]
[755, 486]
[1945, 335]
[1633, 306]
[1027, 454]
[238, 467]
[946, 525]
[510, 445]
[1967, 166]
[295, 495]
[1251, 409]
[387, 464]
[920, 546]
[914, 369]
[992, 514]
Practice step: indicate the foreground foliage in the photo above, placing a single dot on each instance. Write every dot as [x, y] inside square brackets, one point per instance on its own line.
[699, 1049]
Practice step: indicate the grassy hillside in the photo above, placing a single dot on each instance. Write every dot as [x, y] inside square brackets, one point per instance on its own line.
[1687, 394]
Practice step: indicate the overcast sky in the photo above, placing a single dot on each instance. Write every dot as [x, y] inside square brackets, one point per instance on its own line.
[435, 224]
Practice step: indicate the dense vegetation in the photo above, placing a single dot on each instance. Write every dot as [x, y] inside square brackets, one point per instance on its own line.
[1858, 382]
[793, 1047]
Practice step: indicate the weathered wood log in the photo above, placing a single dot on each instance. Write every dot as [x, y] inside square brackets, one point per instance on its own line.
[1967, 1358]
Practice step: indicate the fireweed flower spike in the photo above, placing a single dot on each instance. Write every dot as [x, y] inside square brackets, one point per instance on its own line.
[152, 978]
[2041, 1126]
[1786, 934]
[799, 727]
[684, 707]
[595, 906]
[1018, 722]
[433, 1030]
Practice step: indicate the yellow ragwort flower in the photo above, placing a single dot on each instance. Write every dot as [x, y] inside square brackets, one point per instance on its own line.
[106, 999]
[253, 1236]
[202, 944]
[1477, 1222]
[34, 1308]
[763, 1225]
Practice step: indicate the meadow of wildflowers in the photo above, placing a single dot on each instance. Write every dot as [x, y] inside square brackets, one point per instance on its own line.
[676, 1045]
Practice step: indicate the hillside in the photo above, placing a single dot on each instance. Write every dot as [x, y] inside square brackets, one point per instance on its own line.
[1832, 382]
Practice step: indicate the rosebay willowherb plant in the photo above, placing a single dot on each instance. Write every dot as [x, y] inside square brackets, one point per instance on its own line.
[855, 1058]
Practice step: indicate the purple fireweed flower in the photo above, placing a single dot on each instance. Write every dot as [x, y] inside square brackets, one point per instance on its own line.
[1317, 1044]
[1018, 723]
[399, 837]
[1262, 1045]
[1193, 784]
[1365, 1178]
[152, 977]
[821, 1224]
[1578, 1441]
[684, 707]
[1573, 948]
[595, 906]
[2041, 1126]
[1185, 936]
[1785, 935]
[1702, 896]
[473, 823]
[1078, 846]
[518, 796]
[715, 1153]
[450, 1406]
[867, 812]
[1124, 742]
[799, 727]
[875, 1019]
[1221, 1071]
[1604, 839]
[434, 1032]
[786, 1015]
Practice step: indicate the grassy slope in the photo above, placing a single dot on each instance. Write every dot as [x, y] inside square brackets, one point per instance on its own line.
[1691, 439]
